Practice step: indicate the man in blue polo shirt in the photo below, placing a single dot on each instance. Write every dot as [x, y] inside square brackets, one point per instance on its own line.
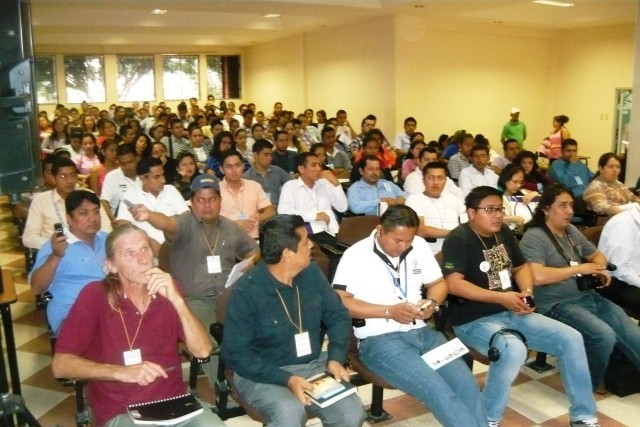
[67, 262]
[365, 195]
[569, 170]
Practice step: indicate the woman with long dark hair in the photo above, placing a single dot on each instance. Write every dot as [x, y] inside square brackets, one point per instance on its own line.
[567, 269]
[222, 143]
[534, 180]
[519, 203]
[57, 138]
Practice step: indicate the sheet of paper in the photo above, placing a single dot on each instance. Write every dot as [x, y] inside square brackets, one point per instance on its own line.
[238, 270]
[440, 356]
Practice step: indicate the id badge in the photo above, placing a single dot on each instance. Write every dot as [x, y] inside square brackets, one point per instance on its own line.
[505, 279]
[578, 180]
[213, 264]
[132, 357]
[303, 344]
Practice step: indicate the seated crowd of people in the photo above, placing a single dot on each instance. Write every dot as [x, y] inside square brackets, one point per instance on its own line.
[216, 186]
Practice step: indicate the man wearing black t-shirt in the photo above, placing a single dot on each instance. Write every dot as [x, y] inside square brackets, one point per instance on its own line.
[481, 259]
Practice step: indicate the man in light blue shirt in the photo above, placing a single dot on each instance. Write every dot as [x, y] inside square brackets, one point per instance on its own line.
[68, 262]
[365, 195]
[569, 170]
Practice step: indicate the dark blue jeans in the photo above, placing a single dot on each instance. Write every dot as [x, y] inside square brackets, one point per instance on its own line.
[602, 325]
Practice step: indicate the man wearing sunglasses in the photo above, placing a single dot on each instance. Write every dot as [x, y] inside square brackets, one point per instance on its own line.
[494, 311]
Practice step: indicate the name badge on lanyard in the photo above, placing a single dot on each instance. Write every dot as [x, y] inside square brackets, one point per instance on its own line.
[132, 357]
[213, 264]
[303, 344]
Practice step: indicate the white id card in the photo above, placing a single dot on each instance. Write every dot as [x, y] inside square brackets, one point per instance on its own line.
[505, 279]
[132, 357]
[303, 344]
[213, 264]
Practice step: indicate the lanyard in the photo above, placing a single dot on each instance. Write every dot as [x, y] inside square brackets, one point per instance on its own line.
[215, 245]
[55, 206]
[397, 283]
[299, 327]
[130, 342]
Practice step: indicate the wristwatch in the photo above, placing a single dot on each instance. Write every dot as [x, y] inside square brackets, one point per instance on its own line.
[432, 303]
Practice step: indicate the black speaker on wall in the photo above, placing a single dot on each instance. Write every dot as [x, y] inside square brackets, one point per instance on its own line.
[19, 134]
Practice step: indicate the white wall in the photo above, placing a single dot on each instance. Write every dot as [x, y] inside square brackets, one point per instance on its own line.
[453, 77]
[591, 64]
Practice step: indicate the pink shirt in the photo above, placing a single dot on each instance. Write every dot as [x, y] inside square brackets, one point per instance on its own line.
[243, 204]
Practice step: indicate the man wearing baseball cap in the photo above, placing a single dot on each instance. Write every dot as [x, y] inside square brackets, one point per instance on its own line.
[203, 247]
[514, 128]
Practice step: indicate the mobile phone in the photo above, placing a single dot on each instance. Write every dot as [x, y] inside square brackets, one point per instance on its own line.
[529, 301]
[58, 229]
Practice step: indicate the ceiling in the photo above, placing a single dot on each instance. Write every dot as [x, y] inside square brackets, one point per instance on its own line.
[114, 24]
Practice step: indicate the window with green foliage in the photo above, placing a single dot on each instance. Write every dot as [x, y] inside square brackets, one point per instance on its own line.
[181, 77]
[84, 78]
[45, 73]
[223, 76]
[135, 81]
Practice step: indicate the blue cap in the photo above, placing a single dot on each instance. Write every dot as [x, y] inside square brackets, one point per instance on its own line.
[205, 181]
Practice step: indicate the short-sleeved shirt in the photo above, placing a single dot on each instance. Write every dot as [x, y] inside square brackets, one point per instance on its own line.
[168, 202]
[80, 265]
[94, 331]
[114, 186]
[363, 273]
[514, 130]
[537, 247]
[247, 202]
[339, 160]
[271, 182]
[286, 161]
[446, 212]
[469, 254]
[189, 251]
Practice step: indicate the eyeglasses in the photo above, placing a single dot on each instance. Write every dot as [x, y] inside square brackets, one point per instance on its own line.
[491, 209]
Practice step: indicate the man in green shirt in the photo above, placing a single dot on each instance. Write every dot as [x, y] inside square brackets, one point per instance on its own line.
[514, 128]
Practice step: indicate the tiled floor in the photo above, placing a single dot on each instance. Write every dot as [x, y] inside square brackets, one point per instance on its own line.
[536, 399]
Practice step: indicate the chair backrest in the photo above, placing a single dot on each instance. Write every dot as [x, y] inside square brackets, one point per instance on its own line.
[354, 229]
[164, 258]
[221, 304]
[593, 233]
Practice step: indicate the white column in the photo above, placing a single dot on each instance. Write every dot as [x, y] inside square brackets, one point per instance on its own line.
[633, 153]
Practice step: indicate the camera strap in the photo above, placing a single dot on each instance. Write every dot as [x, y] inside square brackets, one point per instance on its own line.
[556, 244]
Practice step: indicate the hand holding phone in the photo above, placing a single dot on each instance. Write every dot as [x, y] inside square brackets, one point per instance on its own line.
[58, 229]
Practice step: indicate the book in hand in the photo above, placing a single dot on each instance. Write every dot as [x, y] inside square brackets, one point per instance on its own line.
[326, 390]
[166, 411]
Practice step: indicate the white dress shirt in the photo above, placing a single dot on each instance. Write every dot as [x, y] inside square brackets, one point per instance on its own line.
[618, 241]
[298, 199]
[169, 202]
[470, 178]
